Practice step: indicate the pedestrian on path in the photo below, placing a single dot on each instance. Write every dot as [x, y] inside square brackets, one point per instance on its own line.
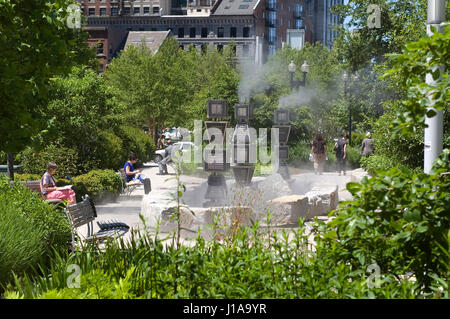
[341, 154]
[320, 152]
[367, 146]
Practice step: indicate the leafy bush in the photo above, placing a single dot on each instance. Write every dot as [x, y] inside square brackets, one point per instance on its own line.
[20, 242]
[353, 157]
[27, 177]
[33, 162]
[255, 264]
[357, 138]
[375, 163]
[398, 220]
[24, 213]
[299, 153]
[98, 184]
[109, 153]
[136, 141]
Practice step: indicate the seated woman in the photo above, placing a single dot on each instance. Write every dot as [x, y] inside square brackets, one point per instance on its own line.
[51, 191]
[130, 173]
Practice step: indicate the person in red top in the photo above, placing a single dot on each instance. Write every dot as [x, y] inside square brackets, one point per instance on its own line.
[49, 189]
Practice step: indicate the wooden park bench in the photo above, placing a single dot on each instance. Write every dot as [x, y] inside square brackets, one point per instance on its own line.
[35, 186]
[84, 213]
[129, 187]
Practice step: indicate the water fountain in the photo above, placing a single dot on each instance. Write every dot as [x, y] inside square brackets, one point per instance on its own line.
[281, 122]
[243, 158]
[215, 156]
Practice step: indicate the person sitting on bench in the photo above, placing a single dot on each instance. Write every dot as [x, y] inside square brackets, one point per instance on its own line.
[49, 189]
[130, 173]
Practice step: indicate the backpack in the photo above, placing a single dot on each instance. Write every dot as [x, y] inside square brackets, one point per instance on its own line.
[339, 146]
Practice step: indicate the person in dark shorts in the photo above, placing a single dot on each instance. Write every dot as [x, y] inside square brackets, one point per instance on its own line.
[341, 154]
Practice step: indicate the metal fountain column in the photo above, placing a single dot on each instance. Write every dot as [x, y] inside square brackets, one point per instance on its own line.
[215, 154]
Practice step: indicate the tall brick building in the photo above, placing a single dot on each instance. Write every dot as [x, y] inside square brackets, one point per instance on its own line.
[257, 27]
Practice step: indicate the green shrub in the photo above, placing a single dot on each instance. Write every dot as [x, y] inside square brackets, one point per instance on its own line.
[136, 141]
[399, 220]
[49, 222]
[20, 242]
[27, 177]
[98, 184]
[375, 163]
[33, 162]
[353, 157]
[299, 154]
[109, 152]
[357, 138]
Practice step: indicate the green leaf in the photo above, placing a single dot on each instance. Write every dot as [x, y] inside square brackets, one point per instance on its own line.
[412, 215]
[353, 187]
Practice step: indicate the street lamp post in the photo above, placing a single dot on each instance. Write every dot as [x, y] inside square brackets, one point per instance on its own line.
[345, 78]
[292, 68]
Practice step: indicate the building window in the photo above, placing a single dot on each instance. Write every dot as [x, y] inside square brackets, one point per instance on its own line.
[272, 49]
[103, 11]
[146, 10]
[155, 9]
[233, 32]
[181, 32]
[100, 48]
[220, 48]
[272, 4]
[136, 10]
[272, 35]
[91, 11]
[220, 32]
[192, 32]
[246, 32]
[298, 23]
[114, 11]
[127, 10]
[204, 32]
[272, 18]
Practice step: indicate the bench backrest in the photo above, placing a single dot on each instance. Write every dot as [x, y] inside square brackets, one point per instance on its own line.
[35, 186]
[82, 213]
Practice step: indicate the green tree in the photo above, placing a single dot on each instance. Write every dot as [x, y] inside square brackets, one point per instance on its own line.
[401, 22]
[150, 86]
[36, 45]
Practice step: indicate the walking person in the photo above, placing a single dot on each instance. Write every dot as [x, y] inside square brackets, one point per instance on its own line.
[341, 154]
[49, 189]
[320, 152]
[162, 164]
[367, 146]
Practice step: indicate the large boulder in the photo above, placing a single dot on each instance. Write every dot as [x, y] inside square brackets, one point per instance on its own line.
[322, 199]
[286, 210]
